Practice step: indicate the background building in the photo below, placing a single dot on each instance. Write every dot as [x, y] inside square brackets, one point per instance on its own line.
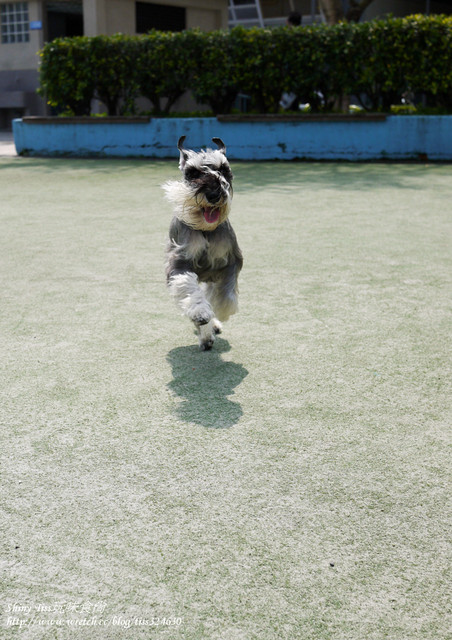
[26, 26]
[274, 12]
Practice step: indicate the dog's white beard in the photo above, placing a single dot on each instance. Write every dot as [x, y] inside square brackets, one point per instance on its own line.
[177, 193]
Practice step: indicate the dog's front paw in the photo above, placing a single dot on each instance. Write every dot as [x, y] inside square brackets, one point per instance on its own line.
[206, 345]
[207, 336]
[201, 315]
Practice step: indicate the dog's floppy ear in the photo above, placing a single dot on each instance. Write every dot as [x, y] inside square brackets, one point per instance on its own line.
[183, 153]
[220, 144]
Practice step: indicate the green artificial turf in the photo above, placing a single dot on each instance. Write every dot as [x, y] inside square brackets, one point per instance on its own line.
[291, 483]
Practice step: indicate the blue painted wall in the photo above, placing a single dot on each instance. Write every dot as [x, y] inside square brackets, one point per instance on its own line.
[396, 138]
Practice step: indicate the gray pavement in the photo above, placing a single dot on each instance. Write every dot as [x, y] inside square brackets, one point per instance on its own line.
[7, 147]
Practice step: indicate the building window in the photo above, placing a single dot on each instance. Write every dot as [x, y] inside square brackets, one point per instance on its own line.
[14, 22]
[158, 16]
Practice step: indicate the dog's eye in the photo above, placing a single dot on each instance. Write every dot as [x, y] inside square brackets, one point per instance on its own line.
[226, 172]
[192, 173]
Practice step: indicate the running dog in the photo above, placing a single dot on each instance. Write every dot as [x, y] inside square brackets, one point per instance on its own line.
[203, 258]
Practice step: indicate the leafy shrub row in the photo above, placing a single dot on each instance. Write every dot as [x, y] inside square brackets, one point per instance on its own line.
[381, 60]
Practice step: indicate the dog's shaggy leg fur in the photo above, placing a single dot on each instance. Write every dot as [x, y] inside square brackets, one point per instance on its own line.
[191, 298]
[223, 295]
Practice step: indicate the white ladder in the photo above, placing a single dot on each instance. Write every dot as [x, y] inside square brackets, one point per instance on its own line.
[245, 12]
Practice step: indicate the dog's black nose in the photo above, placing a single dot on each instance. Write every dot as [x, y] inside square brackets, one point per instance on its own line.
[213, 194]
[213, 191]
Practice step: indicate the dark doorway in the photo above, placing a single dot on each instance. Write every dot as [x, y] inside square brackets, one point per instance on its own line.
[64, 19]
[158, 16]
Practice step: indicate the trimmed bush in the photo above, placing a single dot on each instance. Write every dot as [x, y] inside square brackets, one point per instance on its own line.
[429, 67]
[379, 74]
[318, 60]
[113, 64]
[165, 66]
[404, 56]
[378, 61]
[261, 65]
[67, 75]
[215, 78]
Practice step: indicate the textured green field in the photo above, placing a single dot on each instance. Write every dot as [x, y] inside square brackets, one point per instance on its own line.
[293, 482]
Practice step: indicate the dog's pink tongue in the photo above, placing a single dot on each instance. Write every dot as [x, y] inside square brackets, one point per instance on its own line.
[211, 215]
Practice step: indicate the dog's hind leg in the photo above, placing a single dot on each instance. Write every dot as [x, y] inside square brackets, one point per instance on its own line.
[223, 296]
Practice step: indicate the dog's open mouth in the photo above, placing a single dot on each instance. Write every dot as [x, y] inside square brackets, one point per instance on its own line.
[211, 215]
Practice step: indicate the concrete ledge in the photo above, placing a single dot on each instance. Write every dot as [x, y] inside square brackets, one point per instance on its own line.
[302, 118]
[352, 138]
[86, 120]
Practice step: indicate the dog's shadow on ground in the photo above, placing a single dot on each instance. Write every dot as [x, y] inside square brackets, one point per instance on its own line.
[204, 380]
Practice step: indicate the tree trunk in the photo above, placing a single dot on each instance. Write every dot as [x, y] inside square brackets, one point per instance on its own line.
[332, 10]
[356, 9]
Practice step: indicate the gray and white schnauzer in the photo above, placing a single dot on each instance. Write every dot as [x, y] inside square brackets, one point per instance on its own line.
[203, 257]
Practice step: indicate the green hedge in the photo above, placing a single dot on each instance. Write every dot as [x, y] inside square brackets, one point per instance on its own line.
[378, 61]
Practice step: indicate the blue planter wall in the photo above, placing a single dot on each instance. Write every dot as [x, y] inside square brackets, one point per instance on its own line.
[355, 139]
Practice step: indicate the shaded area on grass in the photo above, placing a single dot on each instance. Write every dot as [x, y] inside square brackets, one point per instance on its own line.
[205, 381]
